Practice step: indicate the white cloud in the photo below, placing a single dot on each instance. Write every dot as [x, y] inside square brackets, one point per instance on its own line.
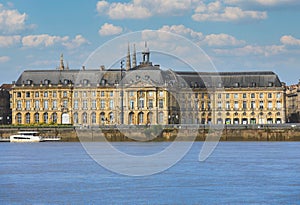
[78, 41]
[215, 11]
[42, 40]
[109, 29]
[290, 40]
[222, 40]
[265, 3]
[102, 6]
[184, 31]
[12, 21]
[250, 50]
[7, 41]
[4, 59]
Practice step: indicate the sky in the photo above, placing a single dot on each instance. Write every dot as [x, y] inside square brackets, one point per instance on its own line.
[237, 35]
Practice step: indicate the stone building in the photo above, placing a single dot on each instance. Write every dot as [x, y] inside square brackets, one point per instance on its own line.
[5, 110]
[146, 94]
[292, 103]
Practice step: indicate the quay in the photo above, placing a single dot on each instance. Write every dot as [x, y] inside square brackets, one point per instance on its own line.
[282, 132]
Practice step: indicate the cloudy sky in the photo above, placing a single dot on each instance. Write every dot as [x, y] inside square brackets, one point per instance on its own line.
[237, 35]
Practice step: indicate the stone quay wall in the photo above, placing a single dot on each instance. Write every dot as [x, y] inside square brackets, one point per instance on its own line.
[238, 133]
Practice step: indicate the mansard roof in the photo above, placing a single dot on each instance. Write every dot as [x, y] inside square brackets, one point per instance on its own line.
[153, 74]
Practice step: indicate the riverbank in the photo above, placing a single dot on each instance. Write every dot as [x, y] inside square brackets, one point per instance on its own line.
[159, 133]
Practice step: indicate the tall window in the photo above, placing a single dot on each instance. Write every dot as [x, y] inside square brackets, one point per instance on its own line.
[278, 105]
[65, 94]
[84, 105]
[27, 104]
[37, 104]
[28, 94]
[54, 104]
[65, 103]
[252, 95]
[236, 96]
[19, 105]
[94, 104]
[269, 95]
[261, 95]
[111, 93]
[45, 94]
[36, 118]
[261, 104]
[141, 118]
[219, 105]
[111, 104]
[54, 94]
[76, 118]
[27, 116]
[161, 118]
[141, 103]
[19, 118]
[150, 93]
[227, 95]
[46, 104]
[102, 104]
[131, 104]
[270, 105]
[227, 105]
[76, 94]
[45, 117]
[161, 93]
[244, 95]
[54, 118]
[93, 118]
[244, 105]
[102, 94]
[36, 94]
[84, 94]
[278, 95]
[131, 93]
[161, 103]
[111, 118]
[84, 118]
[93, 93]
[75, 104]
[150, 103]
[252, 104]
[236, 105]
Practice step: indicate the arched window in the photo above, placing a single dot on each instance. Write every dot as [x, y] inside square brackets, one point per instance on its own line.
[27, 117]
[111, 118]
[93, 118]
[19, 118]
[84, 118]
[36, 118]
[45, 117]
[54, 118]
[150, 118]
[131, 118]
[102, 117]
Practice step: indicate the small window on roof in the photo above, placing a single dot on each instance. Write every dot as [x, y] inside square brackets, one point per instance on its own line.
[236, 84]
[46, 82]
[270, 84]
[28, 82]
[253, 84]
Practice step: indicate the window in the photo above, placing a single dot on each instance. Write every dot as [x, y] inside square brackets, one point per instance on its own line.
[76, 118]
[45, 104]
[150, 103]
[270, 105]
[94, 104]
[111, 104]
[93, 118]
[236, 105]
[19, 94]
[36, 118]
[111, 93]
[227, 95]
[219, 96]
[54, 104]
[19, 105]
[261, 95]
[252, 104]
[236, 96]
[36, 94]
[54, 118]
[269, 95]
[45, 94]
[102, 94]
[141, 103]
[65, 94]
[209, 105]
[27, 117]
[219, 105]
[252, 95]
[141, 118]
[27, 104]
[19, 118]
[54, 94]
[76, 94]
[244, 105]
[278, 95]
[75, 104]
[65, 103]
[244, 95]
[102, 104]
[84, 118]
[150, 94]
[161, 118]
[161, 103]
[28, 94]
[84, 94]
[278, 105]
[161, 93]
[45, 117]
[131, 93]
[84, 105]
[93, 93]
[111, 118]
[196, 95]
[37, 104]
[131, 104]
[261, 104]
[227, 105]
[202, 96]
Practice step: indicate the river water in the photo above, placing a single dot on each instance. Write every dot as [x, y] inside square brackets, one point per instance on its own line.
[235, 173]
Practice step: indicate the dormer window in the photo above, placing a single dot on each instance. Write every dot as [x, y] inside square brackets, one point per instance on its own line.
[66, 82]
[46, 82]
[270, 84]
[85, 81]
[253, 84]
[236, 84]
[103, 82]
[28, 82]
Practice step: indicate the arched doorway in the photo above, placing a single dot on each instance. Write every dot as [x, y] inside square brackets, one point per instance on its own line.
[65, 118]
[131, 118]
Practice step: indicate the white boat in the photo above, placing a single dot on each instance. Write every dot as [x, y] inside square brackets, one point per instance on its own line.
[26, 136]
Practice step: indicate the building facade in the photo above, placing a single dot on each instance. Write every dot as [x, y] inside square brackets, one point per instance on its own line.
[145, 94]
[5, 110]
[292, 102]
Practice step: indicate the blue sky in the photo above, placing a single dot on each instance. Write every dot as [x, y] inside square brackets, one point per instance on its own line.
[238, 35]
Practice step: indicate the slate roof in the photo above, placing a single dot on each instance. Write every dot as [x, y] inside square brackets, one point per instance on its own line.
[153, 73]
